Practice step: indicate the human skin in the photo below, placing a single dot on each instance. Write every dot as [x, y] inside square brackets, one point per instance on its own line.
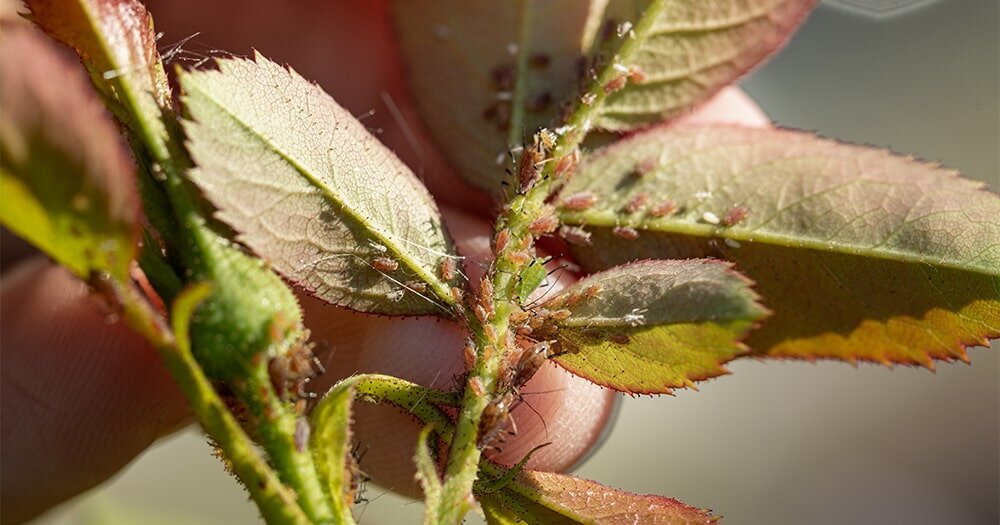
[82, 396]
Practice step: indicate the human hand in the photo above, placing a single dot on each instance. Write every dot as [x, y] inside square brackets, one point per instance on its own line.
[82, 397]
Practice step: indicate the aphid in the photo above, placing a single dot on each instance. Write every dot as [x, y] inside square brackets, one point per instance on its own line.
[636, 75]
[732, 243]
[486, 296]
[735, 215]
[575, 235]
[488, 351]
[457, 294]
[646, 166]
[528, 363]
[588, 98]
[579, 201]
[480, 313]
[519, 258]
[417, 286]
[490, 333]
[615, 84]
[503, 77]
[539, 102]
[448, 269]
[539, 60]
[528, 170]
[494, 417]
[592, 291]
[663, 209]
[518, 316]
[501, 239]
[625, 232]
[546, 223]
[476, 386]
[385, 264]
[559, 315]
[572, 299]
[636, 202]
[469, 355]
[619, 338]
[301, 434]
[566, 165]
[710, 218]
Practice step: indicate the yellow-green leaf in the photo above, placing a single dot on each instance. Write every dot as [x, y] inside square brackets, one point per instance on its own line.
[311, 191]
[548, 498]
[652, 326]
[862, 255]
[66, 181]
[330, 443]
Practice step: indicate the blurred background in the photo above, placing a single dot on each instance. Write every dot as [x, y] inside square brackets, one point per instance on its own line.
[776, 442]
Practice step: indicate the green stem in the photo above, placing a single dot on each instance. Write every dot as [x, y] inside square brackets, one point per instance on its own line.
[276, 503]
[519, 213]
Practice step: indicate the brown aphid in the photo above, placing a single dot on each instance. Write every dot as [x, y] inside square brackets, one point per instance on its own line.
[529, 170]
[518, 316]
[663, 209]
[503, 77]
[385, 264]
[519, 258]
[619, 338]
[559, 315]
[578, 201]
[490, 333]
[417, 286]
[575, 235]
[546, 223]
[539, 102]
[637, 202]
[476, 386]
[480, 313]
[457, 294]
[625, 232]
[448, 269]
[501, 240]
[646, 166]
[615, 84]
[539, 60]
[735, 215]
[469, 354]
[528, 363]
[636, 75]
[488, 352]
[567, 164]
[592, 291]
[494, 417]
[572, 299]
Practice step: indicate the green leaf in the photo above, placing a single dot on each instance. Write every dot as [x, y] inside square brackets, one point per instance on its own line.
[549, 498]
[487, 74]
[651, 326]
[66, 180]
[331, 447]
[863, 255]
[311, 191]
[684, 52]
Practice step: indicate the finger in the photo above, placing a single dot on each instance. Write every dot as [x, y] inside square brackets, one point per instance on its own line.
[571, 412]
[80, 396]
[730, 106]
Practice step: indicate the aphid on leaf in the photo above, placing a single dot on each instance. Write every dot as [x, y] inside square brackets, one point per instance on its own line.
[619, 338]
[476, 386]
[490, 333]
[636, 75]
[457, 294]
[530, 167]
[469, 354]
[710, 218]
[539, 102]
[560, 315]
[519, 258]
[480, 313]
[385, 264]
[646, 166]
[539, 60]
[528, 363]
[637, 202]
[578, 201]
[448, 269]
[663, 209]
[494, 417]
[486, 296]
[417, 286]
[592, 291]
[575, 235]
[735, 215]
[625, 232]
